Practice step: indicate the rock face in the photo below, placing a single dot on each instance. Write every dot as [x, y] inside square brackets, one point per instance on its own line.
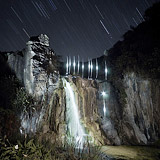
[91, 103]
[107, 122]
[141, 121]
[137, 122]
[54, 119]
[31, 66]
[35, 68]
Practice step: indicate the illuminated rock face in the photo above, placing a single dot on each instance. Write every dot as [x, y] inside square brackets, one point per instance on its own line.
[136, 122]
[91, 104]
[33, 67]
[141, 121]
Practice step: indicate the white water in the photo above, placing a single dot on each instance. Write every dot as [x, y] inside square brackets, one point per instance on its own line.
[104, 107]
[106, 71]
[75, 129]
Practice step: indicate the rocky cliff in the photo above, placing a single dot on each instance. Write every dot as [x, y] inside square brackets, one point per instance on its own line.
[140, 117]
[33, 66]
[103, 117]
[136, 123]
[37, 70]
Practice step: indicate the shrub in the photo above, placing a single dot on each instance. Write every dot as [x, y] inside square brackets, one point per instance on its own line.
[32, 150]
[22, 100]
[23, 151]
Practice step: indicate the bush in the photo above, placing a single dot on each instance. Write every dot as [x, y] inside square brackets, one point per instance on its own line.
[9, 124]
[22, 100]
[23, 151]
[33, 150]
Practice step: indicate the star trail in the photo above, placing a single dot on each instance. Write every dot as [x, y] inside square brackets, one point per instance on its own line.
[75, 27]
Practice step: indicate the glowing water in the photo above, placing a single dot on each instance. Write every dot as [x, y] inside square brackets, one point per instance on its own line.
[75, 129]
[89, 67]
[96, 69]
[74, 64]
[78, 65]
[67, 65]
[104, 107]
[106, 71]
[82, 68]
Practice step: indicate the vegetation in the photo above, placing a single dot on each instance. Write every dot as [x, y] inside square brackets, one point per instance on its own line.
[22, 100]
[21, 151]
[140, 49]
[33, 150]
[9, 124]
[13, 99]
[139, 52]
[8, 118]
[8, 88]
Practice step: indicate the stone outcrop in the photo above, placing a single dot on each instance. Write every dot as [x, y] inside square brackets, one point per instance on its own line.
[141, 121]
[136, 122]
[36, 69]
[90, 102]
[53, 126]
[31, 66]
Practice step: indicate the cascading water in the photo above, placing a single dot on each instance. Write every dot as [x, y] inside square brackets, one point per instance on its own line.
[76, 131]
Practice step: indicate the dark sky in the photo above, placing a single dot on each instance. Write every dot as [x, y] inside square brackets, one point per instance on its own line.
[75, 27]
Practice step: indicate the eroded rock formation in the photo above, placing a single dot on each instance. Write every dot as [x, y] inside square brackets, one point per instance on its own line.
[136, 122]
[36, 68]
[33, 66]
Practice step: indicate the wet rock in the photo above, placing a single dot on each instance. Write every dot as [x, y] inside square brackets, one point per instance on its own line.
[137, 122]
[108, 122]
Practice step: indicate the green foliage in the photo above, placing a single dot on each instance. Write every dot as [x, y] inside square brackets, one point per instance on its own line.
[8, 89]
[33, 150]
[13, 100]
[9, 124]
[70, 151]
[139, 52]
[86, 153]
[153, 13]
[22, 100]
[23, 151]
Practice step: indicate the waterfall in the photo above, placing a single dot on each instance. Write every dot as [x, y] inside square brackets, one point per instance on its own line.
[74, 126]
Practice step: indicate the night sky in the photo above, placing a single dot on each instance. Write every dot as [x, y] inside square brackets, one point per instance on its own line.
[75, 27]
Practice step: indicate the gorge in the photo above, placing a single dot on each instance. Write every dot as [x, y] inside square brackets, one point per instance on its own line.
[119, 105]
[135, 123]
